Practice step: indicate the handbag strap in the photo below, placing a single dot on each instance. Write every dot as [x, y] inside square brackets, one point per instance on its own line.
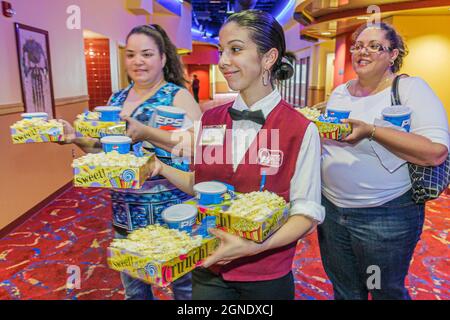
[395, 95]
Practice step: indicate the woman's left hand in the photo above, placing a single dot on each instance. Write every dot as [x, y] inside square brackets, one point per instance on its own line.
[360, 131]
[135, 130]
[231, 248]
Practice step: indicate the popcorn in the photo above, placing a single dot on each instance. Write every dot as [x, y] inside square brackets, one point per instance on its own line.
[158, 243]
[35, 122]
[256, 205]
[254, 216]
[88, 115]
[33, 130]
[312, 114]
[110, 159]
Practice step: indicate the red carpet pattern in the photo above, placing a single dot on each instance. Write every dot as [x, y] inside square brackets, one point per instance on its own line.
[73, 232]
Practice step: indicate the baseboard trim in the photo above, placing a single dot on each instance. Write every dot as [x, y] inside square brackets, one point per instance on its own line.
[27, 215]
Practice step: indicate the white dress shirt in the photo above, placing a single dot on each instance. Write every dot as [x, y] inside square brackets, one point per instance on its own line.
[305, 188]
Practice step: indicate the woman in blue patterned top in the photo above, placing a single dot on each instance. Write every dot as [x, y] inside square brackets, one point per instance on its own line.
[157, 78]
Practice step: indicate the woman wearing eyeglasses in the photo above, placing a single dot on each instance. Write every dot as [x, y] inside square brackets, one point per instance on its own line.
[372, 225]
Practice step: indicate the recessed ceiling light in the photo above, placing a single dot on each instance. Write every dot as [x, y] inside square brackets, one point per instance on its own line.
[325, 33]
[363, 18]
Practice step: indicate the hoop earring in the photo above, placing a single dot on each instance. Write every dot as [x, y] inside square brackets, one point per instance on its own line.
[392, 62]
[264, 81]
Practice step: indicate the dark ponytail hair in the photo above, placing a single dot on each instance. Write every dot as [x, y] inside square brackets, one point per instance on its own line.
[173, 70]
[267, 33]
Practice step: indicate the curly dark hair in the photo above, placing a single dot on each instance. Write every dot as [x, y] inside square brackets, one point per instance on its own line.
[393, 37]
[173, 70]
[267, 33]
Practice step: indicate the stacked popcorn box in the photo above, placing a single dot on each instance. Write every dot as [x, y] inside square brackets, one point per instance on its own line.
[36, 130]
[88, 124]
[328, 127]
[112, 170]
[254, 216]
[158, 255]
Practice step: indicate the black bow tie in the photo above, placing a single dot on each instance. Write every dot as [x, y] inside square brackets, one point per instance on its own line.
[255, 116]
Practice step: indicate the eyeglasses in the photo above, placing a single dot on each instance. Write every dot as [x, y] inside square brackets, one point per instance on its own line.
[373, 47]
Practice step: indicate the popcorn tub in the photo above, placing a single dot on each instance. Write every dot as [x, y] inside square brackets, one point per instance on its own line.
[112, 176]
[98, 129]
[36, 130]
[334, 131]
[160, 271]
[257, 230]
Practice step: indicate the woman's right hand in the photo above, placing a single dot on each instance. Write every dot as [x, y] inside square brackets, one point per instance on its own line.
[69, 132]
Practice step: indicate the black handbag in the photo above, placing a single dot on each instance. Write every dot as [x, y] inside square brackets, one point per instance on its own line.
[427, 182]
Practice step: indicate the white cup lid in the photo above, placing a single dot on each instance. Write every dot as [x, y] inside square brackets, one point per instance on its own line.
[116, 139]
[338, 109]
[179, 212]
[396, 111]
[107, 108]
[210, 187]
[34, 115]
[170, 109]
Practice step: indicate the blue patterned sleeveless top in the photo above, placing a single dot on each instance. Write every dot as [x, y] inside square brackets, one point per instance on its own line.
[143, 113]
[163, 97]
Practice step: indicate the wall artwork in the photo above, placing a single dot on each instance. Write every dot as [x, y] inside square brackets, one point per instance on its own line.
[35, 69]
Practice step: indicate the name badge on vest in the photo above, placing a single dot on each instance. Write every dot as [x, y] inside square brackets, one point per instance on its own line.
[213, 135]
[270, 158]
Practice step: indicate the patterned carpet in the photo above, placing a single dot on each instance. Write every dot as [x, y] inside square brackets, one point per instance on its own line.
[76, 229]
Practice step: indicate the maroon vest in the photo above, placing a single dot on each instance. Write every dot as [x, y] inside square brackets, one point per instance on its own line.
[274, 150]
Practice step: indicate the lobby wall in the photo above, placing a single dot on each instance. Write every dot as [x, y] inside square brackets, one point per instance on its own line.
[33, 172]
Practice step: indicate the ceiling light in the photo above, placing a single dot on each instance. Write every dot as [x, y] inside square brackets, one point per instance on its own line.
[363, 18]
[326, 33]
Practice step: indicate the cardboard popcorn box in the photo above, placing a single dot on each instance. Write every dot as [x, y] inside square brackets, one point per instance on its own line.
[98, 129]
[334, 131]
[255, 230]
[116, 177]
[160, 273]
[50, 132]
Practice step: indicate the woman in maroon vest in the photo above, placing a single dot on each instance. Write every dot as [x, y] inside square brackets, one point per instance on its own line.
[252, 49]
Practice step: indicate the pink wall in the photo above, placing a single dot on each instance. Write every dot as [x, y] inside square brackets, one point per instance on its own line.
[343, 70]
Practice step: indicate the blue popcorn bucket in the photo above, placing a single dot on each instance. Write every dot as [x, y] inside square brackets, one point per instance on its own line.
[399, 116]
[180, 216]
[35, 115]
[120, 144]
[211, 192]
[135, 209]
[109, 114]
[339, 114]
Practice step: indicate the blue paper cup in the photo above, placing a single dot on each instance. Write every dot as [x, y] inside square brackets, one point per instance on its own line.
[120, 144]
[180, 216]
[339, 114]
[211, 192]
[35, 115]
[168, 118]
[399, 116]
[109, 114]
